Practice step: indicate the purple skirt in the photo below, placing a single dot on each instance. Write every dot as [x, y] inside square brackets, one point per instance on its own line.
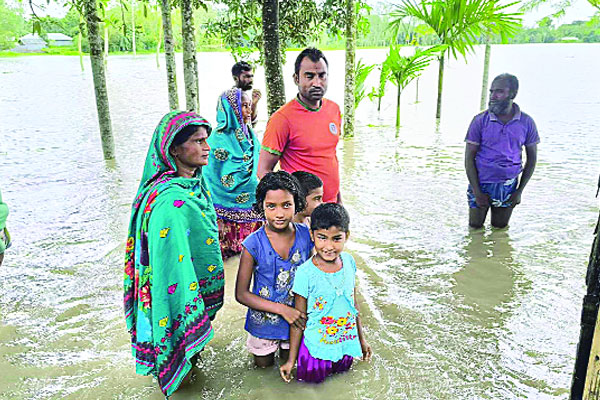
[315, 370]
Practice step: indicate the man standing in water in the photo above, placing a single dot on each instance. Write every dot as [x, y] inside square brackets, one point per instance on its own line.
[243, 76]
[495, 141]
[304, 133]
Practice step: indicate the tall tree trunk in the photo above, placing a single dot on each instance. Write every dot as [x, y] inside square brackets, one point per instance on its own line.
[159, 30]
[105, 44]
[133, 26]
[275, 85]
[79, 42]
[398, 107]
[350, 69]
[123, 21]
[190, 65]
[486, 73]
[95, 41]
[165, 7]
[438, 112]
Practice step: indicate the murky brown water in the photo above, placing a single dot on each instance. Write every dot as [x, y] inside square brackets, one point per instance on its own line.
[450, 314]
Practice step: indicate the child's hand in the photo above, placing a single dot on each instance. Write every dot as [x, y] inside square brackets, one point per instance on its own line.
[366, 350]
[286, 371]
[293, 317]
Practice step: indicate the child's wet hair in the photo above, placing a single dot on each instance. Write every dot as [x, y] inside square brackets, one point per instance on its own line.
[308, 182]
[280, 180]
[327, 215]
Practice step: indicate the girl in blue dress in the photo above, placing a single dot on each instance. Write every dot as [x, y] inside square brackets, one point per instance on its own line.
[269, 258]
[324, 289]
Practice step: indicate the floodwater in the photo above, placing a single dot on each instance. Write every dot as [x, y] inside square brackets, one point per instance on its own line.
[450, 314]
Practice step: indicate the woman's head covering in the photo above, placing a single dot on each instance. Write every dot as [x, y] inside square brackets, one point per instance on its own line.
[231, 173]
[160, 165]
[233, 97]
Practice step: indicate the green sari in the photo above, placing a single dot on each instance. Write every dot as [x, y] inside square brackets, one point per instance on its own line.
[4, 235]
[174, 276]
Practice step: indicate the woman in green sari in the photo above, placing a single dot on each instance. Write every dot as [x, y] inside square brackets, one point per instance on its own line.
[4, 235]
[231, 172]
[173, 267]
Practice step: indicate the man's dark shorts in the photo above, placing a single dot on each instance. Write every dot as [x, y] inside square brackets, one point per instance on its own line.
[499, 193]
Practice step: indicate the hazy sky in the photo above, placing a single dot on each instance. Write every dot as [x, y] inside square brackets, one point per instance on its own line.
[579, 10]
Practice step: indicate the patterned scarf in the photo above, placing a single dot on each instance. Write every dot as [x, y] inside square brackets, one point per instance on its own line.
[233, 162]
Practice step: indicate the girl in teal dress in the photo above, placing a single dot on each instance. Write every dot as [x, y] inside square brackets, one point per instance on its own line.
[325, 290]
[173, 268]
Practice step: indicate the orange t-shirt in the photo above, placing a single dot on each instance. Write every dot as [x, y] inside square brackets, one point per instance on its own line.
[306, 140]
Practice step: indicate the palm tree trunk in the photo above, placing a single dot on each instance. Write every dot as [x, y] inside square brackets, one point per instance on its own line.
[350, 69]
[398, 107]
[438, 112]
[79, 42]
[190, 65]
[133, 26]
[486, 73]
[165, 7]
[417, 96]
[95, 41]
[275, 85]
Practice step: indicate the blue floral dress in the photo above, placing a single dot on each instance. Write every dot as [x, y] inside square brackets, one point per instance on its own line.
[273, 278]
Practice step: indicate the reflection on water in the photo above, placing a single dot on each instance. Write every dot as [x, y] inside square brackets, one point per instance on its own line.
[450, 314]
[486, 281]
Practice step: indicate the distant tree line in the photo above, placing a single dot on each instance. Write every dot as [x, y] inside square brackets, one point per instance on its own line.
[147, 28]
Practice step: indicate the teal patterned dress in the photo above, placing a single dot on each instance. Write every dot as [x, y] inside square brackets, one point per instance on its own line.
[231, 173]
[174, 276]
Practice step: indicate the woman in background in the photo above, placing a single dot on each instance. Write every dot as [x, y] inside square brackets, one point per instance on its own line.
[231, 171]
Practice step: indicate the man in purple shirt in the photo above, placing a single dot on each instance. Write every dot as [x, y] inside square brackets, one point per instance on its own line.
[495, 141]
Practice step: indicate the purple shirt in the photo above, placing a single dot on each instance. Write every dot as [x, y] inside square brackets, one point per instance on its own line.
[498, 158]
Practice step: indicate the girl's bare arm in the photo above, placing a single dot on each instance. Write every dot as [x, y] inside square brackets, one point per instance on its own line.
[295, 337]
[366, 348]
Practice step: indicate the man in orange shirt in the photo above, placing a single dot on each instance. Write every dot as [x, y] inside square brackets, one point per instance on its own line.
[304, 133]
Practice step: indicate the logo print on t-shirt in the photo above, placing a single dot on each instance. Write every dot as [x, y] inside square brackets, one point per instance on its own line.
[333, 128]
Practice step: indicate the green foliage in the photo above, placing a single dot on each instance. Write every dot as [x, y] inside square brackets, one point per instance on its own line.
[460, 23]
[333, 17]
[404, 69]
[239, 25]
[12, 27]
[585, 31]
[379, 92]
[301, 23]
[68, 25]
[361, 73]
